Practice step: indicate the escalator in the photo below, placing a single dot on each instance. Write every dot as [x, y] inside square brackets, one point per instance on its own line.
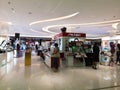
[1, 47]
[2, 42]
[5, 47]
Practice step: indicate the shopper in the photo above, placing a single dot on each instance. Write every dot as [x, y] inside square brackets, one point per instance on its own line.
[56, 56]
[118, 53]
[36, 48]
[40, 49]
[112, 48]
[18, 48]
[42, 56]
[96, 51]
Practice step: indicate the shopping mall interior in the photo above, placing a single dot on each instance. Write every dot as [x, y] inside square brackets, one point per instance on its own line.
[59, 44]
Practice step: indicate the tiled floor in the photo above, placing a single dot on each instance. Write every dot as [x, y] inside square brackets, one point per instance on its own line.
[16, 76]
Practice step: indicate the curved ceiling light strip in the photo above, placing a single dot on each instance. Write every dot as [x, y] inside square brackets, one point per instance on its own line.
[46, 29]
[9, 23]
[38, 32]
[55, 19]
[34, 31]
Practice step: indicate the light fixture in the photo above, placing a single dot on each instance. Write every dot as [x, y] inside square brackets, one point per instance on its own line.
[115, 25]
[10, 23]
[46, 29]
[55, 19]
[13, 10]
[9, 2]
[29, 12]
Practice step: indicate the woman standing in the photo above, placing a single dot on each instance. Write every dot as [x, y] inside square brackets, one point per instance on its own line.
[56, 56]
[118, 53]
[96, 51]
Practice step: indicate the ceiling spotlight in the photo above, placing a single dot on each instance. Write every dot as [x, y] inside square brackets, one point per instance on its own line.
[104, 19]
[114, 16]
[10, 23]
[9, 2]
[13, 10]
[29, 12]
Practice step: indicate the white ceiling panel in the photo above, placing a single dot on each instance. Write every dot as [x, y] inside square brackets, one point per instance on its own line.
[93, 17]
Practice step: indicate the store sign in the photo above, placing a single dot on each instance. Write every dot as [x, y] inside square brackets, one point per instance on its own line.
[70, 35]
[76, 35]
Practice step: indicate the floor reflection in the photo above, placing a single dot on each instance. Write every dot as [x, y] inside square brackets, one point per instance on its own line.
[16, 76]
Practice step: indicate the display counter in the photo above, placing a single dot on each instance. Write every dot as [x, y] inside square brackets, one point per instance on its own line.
[89, 60]
[48, 59]
[105, 58]
[75, 59]
[70, 60]
[3, 59]
[10, 56]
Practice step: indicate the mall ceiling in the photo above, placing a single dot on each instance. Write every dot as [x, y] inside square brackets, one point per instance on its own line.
[45, 18]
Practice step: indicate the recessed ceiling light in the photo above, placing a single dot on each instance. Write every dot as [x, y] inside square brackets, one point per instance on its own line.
[9, 2]
[104, 19]
[10, 23]
[13, 10]
[29, 12]
[114, 16]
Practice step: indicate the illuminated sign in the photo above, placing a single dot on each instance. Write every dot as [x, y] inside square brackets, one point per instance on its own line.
[70, 35]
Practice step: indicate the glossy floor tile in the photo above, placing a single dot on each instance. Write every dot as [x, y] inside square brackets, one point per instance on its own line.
[16, 76]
